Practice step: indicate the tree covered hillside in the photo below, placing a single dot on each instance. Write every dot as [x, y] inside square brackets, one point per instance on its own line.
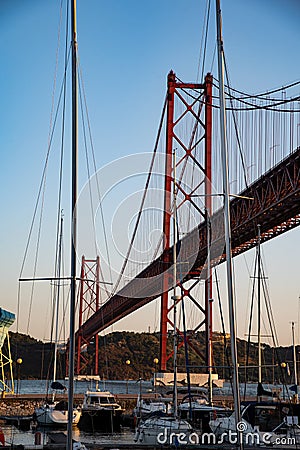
[142, 350]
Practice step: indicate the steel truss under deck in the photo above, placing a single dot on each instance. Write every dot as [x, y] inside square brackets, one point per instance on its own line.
[275, 206]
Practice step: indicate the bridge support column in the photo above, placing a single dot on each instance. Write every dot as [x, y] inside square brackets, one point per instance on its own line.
[188, 154]
[208, 208]
[167, 214]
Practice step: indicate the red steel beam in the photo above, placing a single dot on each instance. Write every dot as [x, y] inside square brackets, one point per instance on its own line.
[208, 207]
[88, 305]
[167, 220]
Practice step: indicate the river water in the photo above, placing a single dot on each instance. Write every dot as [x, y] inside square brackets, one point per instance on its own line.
[15, 436]
[124, 387]
[80, 387]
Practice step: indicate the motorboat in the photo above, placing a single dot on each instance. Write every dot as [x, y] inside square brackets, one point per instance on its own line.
[100, 412]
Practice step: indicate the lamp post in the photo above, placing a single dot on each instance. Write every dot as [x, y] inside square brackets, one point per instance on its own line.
[128, 364]
[155, 360]
[19, 362]
[286, 368]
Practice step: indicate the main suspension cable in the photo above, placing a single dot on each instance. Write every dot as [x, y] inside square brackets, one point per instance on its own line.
[143, 199]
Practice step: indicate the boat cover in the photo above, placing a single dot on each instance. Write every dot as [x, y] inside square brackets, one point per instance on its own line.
[6, 320]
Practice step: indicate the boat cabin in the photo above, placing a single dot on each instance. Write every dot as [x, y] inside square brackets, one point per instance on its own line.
[94, 399]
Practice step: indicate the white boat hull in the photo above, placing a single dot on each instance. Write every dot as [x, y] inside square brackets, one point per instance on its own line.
[163, 431]
[47, 415]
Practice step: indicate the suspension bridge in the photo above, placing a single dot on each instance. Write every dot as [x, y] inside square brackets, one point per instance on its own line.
[184, 184]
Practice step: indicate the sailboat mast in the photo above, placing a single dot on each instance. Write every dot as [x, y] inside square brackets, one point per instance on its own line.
[175, 298]
[57, 299]
[224, 153]
[294, 357]
[209, 291]
[73, 236]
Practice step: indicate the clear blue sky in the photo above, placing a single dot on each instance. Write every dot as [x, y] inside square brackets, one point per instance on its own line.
[126, 49]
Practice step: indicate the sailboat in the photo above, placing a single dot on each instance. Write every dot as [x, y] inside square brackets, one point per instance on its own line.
[268, 414]
[55, 413]
[236, 416]
[51, 413]
[237, 422]
[169, 429]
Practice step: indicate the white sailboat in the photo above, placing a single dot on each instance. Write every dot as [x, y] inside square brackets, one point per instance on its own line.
[169, 429]
[55, 413]
[148, 406]
[235, 419]
[223, 427]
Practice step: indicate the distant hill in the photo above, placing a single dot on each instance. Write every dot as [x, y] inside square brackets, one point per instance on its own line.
[141, 349]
